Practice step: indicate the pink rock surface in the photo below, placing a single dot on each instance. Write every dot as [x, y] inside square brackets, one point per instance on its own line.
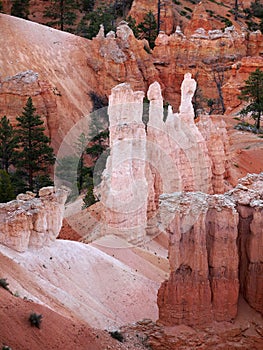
[29, 222]
[169, 155]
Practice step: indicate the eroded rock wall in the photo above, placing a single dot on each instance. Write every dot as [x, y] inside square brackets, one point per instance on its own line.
[160, 156]
[30, 222]
[215, 250]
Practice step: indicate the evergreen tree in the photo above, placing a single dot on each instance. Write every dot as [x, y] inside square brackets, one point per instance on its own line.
[132, 24]
[35, 154]
[8, 143]
[81, 145]
[90, 23]
[20, 8]
[87, 5]
[148, 28]
[6, 188]
[62, 13]
[253, 94]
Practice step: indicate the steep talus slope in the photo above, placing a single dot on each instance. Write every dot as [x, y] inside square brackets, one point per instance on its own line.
[57, 76]
[75, 278]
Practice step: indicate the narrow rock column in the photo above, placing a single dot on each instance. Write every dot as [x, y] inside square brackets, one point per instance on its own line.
[123, 191]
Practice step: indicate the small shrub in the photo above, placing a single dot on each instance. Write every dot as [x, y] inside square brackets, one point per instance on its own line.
[3, 283]
[5, 347]
[177, 2]
[183, 13]
[117, 335]
[35, 319]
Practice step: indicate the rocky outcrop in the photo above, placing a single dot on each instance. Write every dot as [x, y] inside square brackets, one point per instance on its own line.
[207, 264]
[162, 156]
[14, 92]
[173, 53]
[30, 222]
[240, 72]
[243, 335]
[119, 58]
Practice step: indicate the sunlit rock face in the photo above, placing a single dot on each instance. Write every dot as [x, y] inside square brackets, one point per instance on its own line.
[168, 153]
[30, 222]
[215, 251]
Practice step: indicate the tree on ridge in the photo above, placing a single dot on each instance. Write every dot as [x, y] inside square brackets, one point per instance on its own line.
[253, 94]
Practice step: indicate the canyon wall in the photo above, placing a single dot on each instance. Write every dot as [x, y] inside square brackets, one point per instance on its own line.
[215, 250]
[60, 70]
[171, 154]
[30, 222]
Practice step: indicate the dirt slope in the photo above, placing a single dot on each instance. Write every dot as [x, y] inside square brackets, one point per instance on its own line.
[56, 332]
[76, 279]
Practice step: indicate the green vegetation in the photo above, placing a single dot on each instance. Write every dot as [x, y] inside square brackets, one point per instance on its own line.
[35, 154]
[188, 9]
[6, 188]
[253, 94]
[90, 24]
[4, 284]
[117, 335]
[148, 28]
[132, 24]
[25, 154]
[35, 319]
[1, 6]
[62, 13]
[20, 8]
[8, 143]
[254, 12]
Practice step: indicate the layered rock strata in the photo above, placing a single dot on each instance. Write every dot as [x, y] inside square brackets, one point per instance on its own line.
[30, 222]
[215, 249]
[166, 154]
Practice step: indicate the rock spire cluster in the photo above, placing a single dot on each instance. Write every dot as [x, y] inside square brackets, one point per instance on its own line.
[168, 153]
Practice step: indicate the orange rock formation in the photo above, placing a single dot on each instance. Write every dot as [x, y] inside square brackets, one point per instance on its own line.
[215, 249]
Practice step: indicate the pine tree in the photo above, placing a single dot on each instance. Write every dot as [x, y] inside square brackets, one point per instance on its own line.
[62, 13]
[20, 8]
[88, 5]
[6, 188]
[35, 153]
[132, 24]
[90, 23]
[8, 143]
[148, 28]
[253, 94]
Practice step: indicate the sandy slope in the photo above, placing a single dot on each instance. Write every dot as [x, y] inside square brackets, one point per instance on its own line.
[79, 279]
[59, 58]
